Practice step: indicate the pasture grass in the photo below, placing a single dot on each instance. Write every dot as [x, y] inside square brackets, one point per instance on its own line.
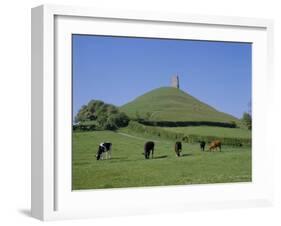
[128, 168]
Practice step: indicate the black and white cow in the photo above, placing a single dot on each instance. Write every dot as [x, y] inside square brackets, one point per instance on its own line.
[148, 147]
[104, 151]
[178, 148]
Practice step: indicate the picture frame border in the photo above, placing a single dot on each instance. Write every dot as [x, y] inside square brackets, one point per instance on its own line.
[43, 158]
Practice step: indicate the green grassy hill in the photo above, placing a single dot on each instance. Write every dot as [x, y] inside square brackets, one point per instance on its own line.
[172, 104]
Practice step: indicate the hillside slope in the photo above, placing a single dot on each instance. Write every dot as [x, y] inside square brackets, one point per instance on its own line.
[171, 104]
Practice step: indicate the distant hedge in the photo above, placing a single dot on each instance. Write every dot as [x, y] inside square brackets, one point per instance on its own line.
[137, 127]
[84, 127]
[191, 138]
[187, 123]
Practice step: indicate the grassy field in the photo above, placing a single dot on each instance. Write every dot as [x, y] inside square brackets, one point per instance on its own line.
[128, 168]
[171, 104]
[212, 131]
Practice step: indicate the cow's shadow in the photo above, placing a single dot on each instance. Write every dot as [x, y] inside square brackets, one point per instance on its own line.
[185, 155]
[119, 158]
[160, 157]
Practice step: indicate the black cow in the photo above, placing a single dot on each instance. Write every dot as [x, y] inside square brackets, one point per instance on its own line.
[148, 147]
[202, 145]
[178, 148]
[104, 151]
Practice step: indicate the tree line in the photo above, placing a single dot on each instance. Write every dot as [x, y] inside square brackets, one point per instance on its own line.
[98, 115]
[101, 116]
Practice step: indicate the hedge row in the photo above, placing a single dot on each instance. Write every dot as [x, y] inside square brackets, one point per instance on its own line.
[191, 138]
[187, 123]
[84, 127]
[139, 128]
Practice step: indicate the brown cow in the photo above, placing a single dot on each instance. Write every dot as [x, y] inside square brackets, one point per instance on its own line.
[214, 145]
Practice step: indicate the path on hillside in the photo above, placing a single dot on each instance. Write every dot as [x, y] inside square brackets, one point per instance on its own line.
[140, 138]
[131, 136]
[154, 113]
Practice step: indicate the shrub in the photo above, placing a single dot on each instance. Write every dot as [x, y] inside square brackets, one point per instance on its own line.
[225, 140]
[247, 120]
[139, 128]
[186, 123]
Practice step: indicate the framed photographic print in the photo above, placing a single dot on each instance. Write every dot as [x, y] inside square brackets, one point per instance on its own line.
[136, 113]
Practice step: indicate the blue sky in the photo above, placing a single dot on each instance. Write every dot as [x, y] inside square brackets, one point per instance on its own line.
[119, 69]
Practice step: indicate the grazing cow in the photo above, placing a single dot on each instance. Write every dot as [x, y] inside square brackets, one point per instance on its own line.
[148, 147]
[178, 148]
[214, 145]
[104, 151]
[202, 145]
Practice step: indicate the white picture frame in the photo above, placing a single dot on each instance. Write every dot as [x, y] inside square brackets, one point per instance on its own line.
[52, 197]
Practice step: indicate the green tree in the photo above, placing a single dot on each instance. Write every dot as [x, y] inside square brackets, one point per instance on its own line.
[103, 116]
[82, 115]
[121, 119]
[247, 120]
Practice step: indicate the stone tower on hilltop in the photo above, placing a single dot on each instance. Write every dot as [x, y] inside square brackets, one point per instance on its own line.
[175, 81]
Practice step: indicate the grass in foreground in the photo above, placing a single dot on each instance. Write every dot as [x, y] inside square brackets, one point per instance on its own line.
[128, 168]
